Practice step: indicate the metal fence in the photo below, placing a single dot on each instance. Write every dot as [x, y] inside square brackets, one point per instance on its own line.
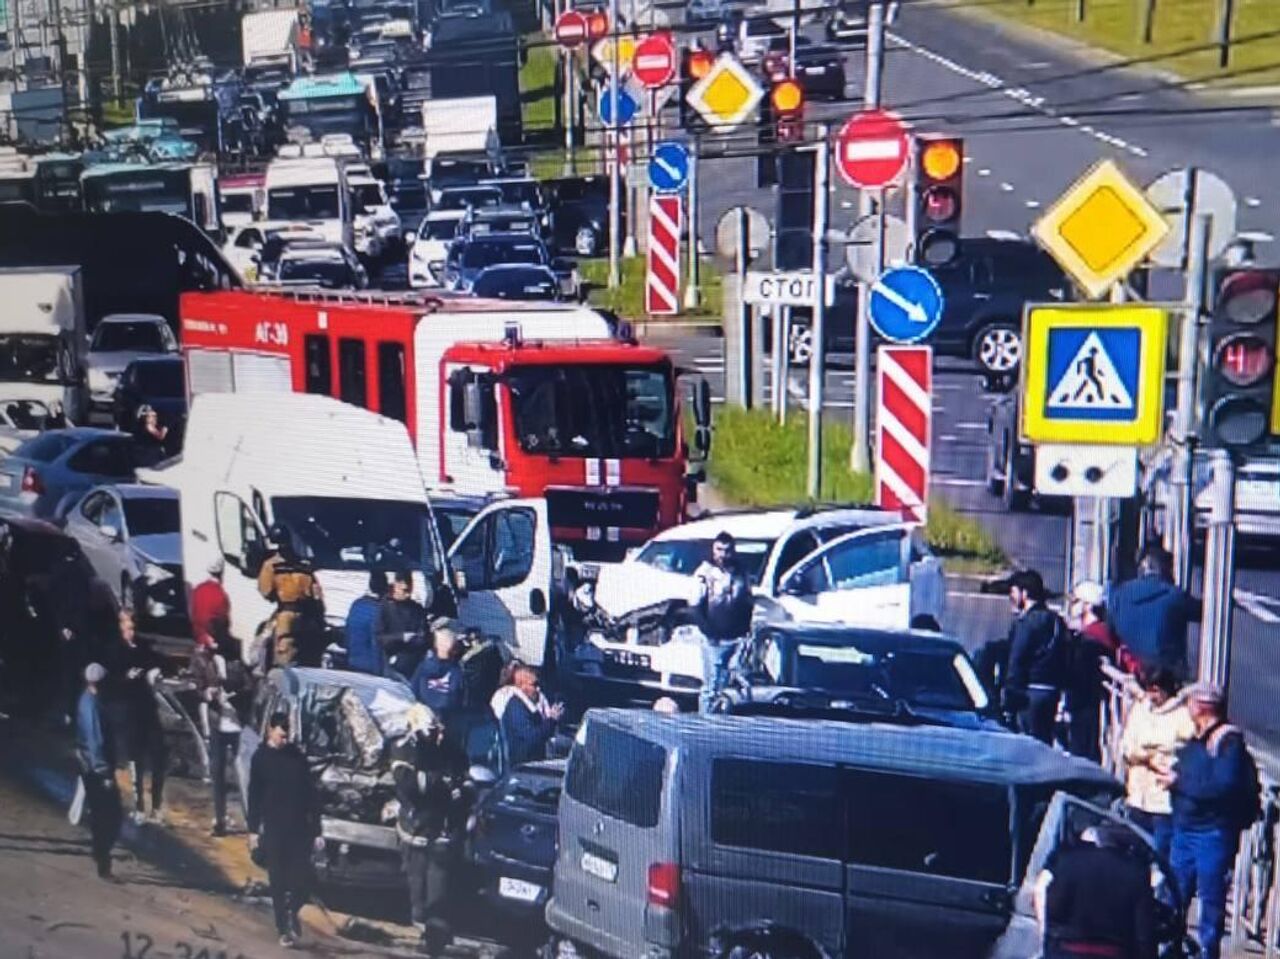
[1255, 889]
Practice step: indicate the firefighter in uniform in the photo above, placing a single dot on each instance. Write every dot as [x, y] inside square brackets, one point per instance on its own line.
[297, 627]
[428, 791]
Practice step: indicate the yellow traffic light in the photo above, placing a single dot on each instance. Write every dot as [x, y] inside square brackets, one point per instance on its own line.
[940, 159]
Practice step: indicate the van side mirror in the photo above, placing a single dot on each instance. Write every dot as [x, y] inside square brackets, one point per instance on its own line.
[473, 414]
[255, 554]
[110, 533]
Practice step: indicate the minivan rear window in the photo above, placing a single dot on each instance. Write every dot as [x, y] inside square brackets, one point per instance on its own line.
[617, 774]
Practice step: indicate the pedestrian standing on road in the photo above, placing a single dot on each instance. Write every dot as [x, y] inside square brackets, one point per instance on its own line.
[401, 626]
[287, 579]
[723, 613]
[1037, 658]
[284, 821]
[426, 776]
[1150, 614]
[1215, 790]
[364, 654]
[211, 610]
[95, 752]
[438, 682]
[135, 671]
[1092, 644]
[1158, 725]
[528, 725]
[220, 684]
[1095, 901]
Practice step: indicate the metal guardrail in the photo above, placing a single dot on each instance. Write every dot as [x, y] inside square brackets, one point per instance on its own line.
[1255, 889]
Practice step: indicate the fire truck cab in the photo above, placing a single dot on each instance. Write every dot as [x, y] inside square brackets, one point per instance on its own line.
[530, 400]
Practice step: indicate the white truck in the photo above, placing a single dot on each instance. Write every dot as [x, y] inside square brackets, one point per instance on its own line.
[459, 125]
[269, 38]
[44, 339]
[311, 190]
[344, 480]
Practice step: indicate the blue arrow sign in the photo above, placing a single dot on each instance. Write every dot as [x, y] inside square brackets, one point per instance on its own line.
[906, 304]
[669, 167]
[628, 105]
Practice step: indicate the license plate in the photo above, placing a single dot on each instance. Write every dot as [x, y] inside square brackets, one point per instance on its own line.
[6, 481]
[815, 69]
[624, 657]
[599, 867]
[518, 889]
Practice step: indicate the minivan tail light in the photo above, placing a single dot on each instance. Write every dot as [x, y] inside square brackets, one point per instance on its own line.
[664, 884]
[31, 481]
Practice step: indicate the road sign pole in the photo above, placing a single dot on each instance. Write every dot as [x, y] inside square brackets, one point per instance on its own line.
[691, 292]
[742, 257]
[566, 63]
[860, 457]
[615, 171]
[1219, 572]
[1179, 521]
[817, 356]
[780, 367]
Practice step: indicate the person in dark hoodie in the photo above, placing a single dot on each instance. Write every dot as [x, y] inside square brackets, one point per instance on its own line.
[400, 626]
[1215, 790]
[438, 682]
[283, 818]
[1037, 653]
[1093, 642]
[1150, 614]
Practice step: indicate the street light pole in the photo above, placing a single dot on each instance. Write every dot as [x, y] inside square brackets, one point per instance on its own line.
[1219, 572]
[860, 458]
[615, 177]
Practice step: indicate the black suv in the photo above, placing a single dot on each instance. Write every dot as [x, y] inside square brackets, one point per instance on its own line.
[985, 291]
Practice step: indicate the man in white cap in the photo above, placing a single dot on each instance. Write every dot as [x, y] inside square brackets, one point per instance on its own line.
[211, 611]
[1094, 641]
[95, 750]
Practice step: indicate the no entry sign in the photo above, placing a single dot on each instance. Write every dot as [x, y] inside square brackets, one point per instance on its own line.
[872, 149]
[571, 29]
[654, 62]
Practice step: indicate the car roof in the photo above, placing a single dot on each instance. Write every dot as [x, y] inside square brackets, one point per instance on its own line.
[772, 524]
[507, 237]
[932, 752]
[899, 639]
[111, 318]
[140, 491]
[296, 679]
[517, 268]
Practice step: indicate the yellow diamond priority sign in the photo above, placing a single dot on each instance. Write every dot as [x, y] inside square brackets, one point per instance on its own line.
[1101, 228]
[602, 53]
[727, 94]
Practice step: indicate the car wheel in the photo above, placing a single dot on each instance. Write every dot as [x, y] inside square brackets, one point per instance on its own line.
[998, 348]
[800, 345]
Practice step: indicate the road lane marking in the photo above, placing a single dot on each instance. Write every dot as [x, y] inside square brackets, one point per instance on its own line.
[1258, 606]
[1252, 201]
[1006, 187]
[985, 171]
[972, 426]
[947, 438]
[955, 481]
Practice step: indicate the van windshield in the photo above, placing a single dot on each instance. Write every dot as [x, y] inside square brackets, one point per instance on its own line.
[340, 533]
[30, 358]
[303, 203]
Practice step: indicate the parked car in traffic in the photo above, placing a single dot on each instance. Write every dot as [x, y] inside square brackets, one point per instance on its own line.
[429, 247]
[512, 839]
[579, 211]
[325, 265]
[848, 22]
[118, 339]
[850, 673]
[819, 67]
[160, 383]
[468, 257]
[703, 11]
[46, 474]
[508, 281]
[505, 218]
[131, 535]
[748, 836]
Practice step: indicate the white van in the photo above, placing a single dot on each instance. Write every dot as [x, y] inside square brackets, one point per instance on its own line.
[311, 190]
[344, 480]
[43, 339]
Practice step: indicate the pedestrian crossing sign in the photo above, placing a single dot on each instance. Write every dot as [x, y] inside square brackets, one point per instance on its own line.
[1093, 374]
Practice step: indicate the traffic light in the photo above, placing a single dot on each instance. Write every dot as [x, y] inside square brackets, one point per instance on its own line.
[695, 63]
[939, 189]
[793, 239]
[1240, 399]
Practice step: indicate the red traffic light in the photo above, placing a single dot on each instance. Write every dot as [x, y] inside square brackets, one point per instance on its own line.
[1247, 297]
[1244, 359]
[699, 63]
[787, 96]
[597, 25]
[939, 204]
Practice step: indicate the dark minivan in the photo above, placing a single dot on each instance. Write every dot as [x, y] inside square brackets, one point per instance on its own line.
[791, 839]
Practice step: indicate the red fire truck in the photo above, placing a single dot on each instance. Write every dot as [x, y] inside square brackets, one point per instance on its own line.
[530, 399]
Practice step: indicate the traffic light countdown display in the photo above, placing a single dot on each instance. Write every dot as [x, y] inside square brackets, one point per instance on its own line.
[939, 192]
[793, 240]
[1241, 403]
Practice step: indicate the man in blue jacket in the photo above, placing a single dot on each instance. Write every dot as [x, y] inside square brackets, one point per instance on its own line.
[96, 754]
[1214, 784]
[364, 652]
[528, 723]
[438, 682]
[1150, 614]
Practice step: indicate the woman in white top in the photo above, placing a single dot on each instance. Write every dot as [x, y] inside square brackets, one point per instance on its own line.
[1158, 724]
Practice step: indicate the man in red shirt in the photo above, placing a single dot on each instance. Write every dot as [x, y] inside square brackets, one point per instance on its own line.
[211, 611]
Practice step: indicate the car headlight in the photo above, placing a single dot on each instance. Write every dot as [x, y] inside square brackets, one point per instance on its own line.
[154, 573]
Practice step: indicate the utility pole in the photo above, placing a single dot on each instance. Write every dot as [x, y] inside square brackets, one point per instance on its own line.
[742, 257]
[615, 171]
[692, 295]
[817, 361]
[861, 455]
[1179, 524]
[1219, 572]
